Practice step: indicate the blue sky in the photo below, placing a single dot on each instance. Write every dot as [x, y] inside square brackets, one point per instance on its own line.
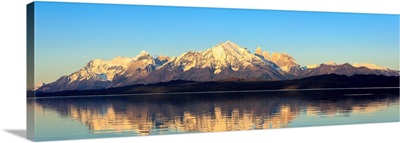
[68, 35]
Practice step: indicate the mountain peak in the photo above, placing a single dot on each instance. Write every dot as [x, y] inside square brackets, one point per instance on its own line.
[266, 55]
[162, 57]
[228, 44]
[94, 62]
[225, 55]
[258, 51]
[144, 53]
[330, 63]
[227, 47]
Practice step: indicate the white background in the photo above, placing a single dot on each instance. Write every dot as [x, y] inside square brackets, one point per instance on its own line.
[13, 75]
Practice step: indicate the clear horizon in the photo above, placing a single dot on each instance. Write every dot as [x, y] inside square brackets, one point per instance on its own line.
[68, 35]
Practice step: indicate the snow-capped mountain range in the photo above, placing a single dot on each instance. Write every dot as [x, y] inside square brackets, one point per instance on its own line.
[225, 61]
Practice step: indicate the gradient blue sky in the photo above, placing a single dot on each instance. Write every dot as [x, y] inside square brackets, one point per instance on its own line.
[68, 35]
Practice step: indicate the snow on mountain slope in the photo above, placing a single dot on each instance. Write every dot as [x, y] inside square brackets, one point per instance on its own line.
[330, 63]
[311, 66]
[141, 67]
[223, 61]
[100, 69]
[160, 60]
[224, 55]
[284, 61]
[99, 74]
[357, 65]
[370, 66]
[344, 69]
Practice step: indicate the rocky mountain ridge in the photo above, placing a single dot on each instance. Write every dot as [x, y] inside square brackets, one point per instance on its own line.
[222, 62]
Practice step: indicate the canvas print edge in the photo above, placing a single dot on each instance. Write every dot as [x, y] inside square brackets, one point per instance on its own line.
[31, 83]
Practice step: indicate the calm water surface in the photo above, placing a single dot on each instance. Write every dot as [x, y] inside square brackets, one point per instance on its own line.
[115, 116]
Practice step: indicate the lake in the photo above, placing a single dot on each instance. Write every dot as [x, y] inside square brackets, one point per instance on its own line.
[141, 115]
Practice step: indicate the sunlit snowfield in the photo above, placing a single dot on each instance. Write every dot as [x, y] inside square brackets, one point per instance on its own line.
[115, 116]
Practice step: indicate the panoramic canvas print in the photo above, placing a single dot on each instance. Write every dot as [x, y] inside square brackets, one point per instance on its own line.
[109, 70]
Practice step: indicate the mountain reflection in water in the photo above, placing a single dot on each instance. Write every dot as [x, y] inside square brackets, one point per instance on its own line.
[167, 114]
